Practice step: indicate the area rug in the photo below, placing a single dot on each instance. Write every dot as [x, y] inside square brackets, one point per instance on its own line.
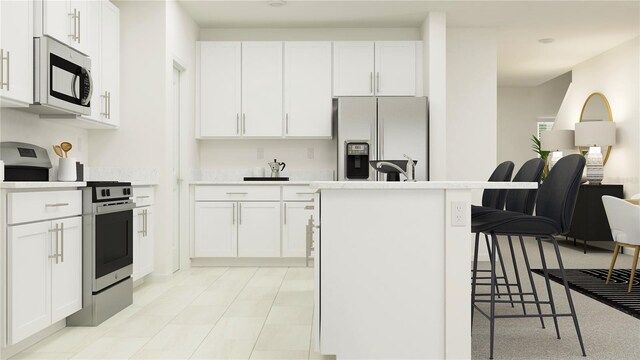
[591, 282]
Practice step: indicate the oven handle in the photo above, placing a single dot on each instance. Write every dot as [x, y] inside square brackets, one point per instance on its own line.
[115, 208]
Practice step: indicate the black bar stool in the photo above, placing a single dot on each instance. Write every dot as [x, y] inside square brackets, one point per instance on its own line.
[554, 211]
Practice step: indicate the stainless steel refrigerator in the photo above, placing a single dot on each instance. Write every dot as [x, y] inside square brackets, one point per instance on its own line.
[381, 128]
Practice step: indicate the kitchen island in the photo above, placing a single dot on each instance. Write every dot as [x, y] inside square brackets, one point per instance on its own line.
[392, 269]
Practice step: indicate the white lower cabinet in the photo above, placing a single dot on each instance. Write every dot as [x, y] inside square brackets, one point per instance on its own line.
[216, 231]
[294, 228]
[143, 241]
[259, 229]
[44, 273]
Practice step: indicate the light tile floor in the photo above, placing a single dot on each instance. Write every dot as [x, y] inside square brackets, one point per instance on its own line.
[201, 313]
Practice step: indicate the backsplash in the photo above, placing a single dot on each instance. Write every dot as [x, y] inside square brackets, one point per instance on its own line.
[145, 175]
[238, 175]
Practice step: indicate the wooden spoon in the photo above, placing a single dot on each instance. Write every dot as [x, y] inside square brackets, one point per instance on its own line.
[57, 150]
[66, 147]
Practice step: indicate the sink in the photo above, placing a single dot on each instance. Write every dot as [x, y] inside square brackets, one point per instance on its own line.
[392, 173]
[265, 178]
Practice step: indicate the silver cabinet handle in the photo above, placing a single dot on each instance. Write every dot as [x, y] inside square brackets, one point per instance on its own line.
[237, 123]
[79, 27]
[142, 197]
[309, 207]
[233, 214]
[371, 82]
[57, 205]
[285, 213]
[62, 242]
[378, 82]
[56, 255]
[237, 193]
[244, 124]
[2, 59]
[146, 222]
[141, 216]
[305, 193]
[286, 121]
[104, 113]
[240, 213]
[74, 16]
[109, 105]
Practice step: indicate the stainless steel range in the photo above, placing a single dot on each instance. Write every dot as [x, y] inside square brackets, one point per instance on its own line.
[107, 243]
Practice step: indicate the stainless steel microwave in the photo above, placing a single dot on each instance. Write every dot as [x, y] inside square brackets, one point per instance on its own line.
[62, 83]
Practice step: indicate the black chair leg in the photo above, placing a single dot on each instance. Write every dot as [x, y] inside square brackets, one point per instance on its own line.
[492, 312]
[486, 240]
[473, 275]
[546, 279]
[504, 271]
[533, 284]
[568, 291]
[517, 273]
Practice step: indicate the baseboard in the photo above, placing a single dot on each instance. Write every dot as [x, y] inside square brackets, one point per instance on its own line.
[32, 340]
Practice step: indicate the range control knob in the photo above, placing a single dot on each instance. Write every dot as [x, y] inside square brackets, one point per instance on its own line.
[104, 192]
[108, 192]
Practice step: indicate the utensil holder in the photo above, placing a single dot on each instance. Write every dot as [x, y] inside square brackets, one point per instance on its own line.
[67, 169]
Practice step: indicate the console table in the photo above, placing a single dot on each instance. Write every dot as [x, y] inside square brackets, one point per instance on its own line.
[589, 218]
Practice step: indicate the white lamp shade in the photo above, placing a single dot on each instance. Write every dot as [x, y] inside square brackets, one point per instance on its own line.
[595, 133]
[557, 140]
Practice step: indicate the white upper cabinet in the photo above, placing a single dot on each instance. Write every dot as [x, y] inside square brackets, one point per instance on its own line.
[16, 50]
[109, 64]
[262, 89]
[353, 68]
[395, 68]
[382, 68]
[307, 89]
[67, 21]
[219, 88]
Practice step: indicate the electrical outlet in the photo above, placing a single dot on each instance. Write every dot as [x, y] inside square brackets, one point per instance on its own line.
[459, 211]
[260, 153]
[311, 153]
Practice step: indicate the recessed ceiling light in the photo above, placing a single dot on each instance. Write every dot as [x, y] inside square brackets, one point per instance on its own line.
[546, 40]
[276, 3]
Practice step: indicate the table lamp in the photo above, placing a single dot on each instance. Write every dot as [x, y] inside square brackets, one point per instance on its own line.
[595, 135]
[556, 141]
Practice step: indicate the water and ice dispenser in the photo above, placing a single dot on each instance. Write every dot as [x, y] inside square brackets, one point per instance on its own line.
[357, 160]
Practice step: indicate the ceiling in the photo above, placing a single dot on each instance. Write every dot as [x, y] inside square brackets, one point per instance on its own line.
[581, 29]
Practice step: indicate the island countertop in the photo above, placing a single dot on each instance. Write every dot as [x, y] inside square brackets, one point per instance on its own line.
[420, 185]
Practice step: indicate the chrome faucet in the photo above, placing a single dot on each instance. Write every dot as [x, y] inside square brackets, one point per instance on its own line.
[409, 174]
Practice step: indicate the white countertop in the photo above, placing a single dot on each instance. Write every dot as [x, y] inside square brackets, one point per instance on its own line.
[420, 185]
[143, 183]
[41, 184]
[241, 182]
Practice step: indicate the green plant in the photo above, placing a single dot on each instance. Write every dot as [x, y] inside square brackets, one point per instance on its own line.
[542, 153]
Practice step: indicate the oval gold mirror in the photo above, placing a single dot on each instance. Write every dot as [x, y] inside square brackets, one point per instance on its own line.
[596, 108]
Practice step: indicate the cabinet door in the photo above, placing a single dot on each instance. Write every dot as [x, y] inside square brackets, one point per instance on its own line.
[219, 88]
[294, 230]
[146, 249]
[16, 42]
[110, 63]
[395, 68]
[66, 275]
[259, 229]
[28, 280]
[93, 34]
[216, 229]
[307, 89]
[353, 68]
[262, 89]
[81, 41]
[56, 21]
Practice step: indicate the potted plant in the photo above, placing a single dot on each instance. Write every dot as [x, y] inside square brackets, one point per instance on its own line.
[542, 153]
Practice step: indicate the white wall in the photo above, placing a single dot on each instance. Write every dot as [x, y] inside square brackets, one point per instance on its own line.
[519, 110]
[16, 125]
[471, 103]
[616, 74]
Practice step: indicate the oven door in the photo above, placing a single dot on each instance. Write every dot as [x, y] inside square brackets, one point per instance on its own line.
[113, 246]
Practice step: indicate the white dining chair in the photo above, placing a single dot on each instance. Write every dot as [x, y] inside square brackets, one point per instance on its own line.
[624, 220]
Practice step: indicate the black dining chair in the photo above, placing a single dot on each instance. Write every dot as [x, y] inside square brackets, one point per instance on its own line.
[522, 201]
[494, 199]
[554, 210]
